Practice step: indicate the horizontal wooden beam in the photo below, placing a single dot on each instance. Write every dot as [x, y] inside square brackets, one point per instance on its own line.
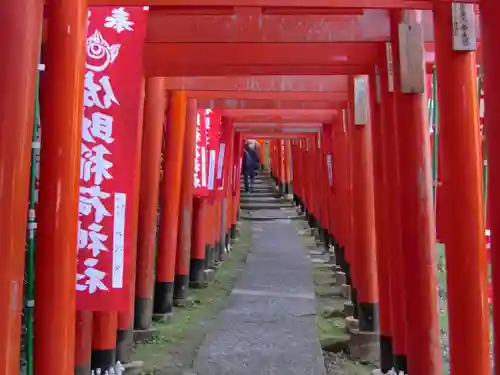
[276, 125]
[276, 86]
[252, 135]
[227, 59]
[266, 104]
[155, 70]
[280, 115]
[369, 4]
[210, 54]
[167, 26]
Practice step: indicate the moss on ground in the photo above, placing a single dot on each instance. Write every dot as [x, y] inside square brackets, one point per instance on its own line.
[175, 345]
[330, 324]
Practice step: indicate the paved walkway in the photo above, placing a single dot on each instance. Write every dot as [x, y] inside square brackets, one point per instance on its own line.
[268, 327]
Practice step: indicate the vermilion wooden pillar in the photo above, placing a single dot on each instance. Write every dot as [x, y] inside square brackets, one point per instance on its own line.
[21, 26]
[490, 28]
[154, 114]
[383, 230]
[288, 168]
[125, 333]
[104, 327]
[217, 211]
[209, 249]
[199, 234]
[282, 165]
[363, 221]
[462, 198]
[54, 336]
[171, 186]
[83, 342]
[186, 208]
[342, 189]
[395, 250]
[417, 222]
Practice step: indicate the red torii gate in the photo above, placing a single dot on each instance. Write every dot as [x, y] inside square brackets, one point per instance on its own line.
[64, 93]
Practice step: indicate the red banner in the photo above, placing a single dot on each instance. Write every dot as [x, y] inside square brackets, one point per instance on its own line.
[212, 127]
[110, 124]
[223, 159]
[237, 160]
[200, 159]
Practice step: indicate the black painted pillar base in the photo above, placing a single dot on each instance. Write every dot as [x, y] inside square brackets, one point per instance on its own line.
[368, 316]
[354, 300]
[340, 257]
[164, 297]
[103, 359]
[326, 239]
[386, 355]
[400, 363]
[143, 312]
[181, 287]
[207, 256]
[222, 250]
[196, 272]
[217, 258]
[347, 271]
[333, 241]
[82, 369]
[309, 218]
[124, 344]
[233, 231]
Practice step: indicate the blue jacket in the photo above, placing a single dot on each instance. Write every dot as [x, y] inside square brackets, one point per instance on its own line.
[250, 159]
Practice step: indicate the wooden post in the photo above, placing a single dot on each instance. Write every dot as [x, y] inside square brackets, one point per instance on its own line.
[461, 193]
[154, 114]
[417, 222]
[175, 132]
[62, 113]
[490, 27]
[186, 209]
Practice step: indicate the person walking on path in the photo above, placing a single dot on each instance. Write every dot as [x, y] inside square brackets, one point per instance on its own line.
[250, 164]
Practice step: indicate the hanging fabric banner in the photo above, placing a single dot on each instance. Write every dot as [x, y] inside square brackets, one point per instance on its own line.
[200, 188]
[110, 124]
[225, 134]
[212, 128]
[237, 161]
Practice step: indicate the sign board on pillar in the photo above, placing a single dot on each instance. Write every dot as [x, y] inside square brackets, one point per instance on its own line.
[390, 66]
[344, 121]
[378, 85]
[360, 100]
[329, 163]
[411, 54]
[464, 27]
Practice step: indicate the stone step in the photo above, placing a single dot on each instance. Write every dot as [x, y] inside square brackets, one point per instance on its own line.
[262, 206]
[265, 200]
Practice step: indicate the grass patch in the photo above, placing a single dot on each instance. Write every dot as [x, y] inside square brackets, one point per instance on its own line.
[176, 343]
[443, 308]
[330, 323]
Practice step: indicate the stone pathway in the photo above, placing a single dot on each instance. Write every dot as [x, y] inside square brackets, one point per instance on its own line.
[268, 327]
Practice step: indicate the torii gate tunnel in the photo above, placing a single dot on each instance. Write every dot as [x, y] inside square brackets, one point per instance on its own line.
[147, 104]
